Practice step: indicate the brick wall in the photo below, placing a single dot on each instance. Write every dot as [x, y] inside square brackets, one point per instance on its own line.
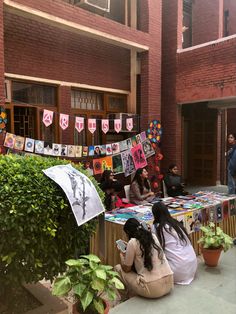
[231, 6]
[207, 20]
[1, 55]
[35, 49]
[207, 72]
[171, 114]
[151, 64]
[231, 125]
[78, 15]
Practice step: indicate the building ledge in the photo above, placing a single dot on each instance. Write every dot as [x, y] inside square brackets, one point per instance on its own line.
[49, 19]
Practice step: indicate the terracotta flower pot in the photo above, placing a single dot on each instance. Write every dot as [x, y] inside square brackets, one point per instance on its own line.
[211, 256]
[75, 311]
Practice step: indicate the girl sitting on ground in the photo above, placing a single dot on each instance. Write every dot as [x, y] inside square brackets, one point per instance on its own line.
[175, 242]
[144, 268]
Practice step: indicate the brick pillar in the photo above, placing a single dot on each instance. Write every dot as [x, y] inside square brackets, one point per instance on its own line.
[151, 63]
[207, 21]
[170, 111]
[66, 136]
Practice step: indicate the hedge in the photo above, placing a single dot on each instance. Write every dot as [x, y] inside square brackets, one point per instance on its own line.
[38, 231]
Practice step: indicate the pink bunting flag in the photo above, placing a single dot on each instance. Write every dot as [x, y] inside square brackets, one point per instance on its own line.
[105, 125]
[92, 125]
[47, 117]
[129, 124]
[64, 121]
[117, 125]
[79, 124]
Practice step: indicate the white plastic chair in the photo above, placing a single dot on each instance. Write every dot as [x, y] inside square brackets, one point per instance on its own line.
[127, 189]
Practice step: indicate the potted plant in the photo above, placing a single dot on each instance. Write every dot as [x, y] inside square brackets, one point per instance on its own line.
[88, 281]
[213, 242]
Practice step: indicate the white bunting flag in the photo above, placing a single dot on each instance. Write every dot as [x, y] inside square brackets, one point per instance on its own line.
[47, 117]
[64, 121]
[92, 125]
[105, 125]
[129, 124]
[79, 124]
[117, 125]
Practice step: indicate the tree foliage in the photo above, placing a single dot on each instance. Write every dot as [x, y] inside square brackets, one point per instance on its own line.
[38, 231]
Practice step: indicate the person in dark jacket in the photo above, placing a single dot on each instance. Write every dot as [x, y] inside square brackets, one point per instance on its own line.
[231, 154]
[173, 181]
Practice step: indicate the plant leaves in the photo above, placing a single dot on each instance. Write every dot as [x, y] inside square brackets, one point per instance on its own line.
[86, 299]
[79, 288]
[98, 284]
[118, 283]
[100, 273]
[61, 286]
[99, 306]
[92, 257]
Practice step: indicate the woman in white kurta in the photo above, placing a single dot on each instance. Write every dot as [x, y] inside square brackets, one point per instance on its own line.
[175, 242]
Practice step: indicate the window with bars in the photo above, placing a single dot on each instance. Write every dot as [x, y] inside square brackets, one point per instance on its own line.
[34, 94]
[86, 100]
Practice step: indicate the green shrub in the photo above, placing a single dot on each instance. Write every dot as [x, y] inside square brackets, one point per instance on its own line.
[38, 231]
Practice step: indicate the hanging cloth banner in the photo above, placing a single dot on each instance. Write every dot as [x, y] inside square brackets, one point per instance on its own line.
[105, 125]
[92, 125]
[64, 121]
[129, 124]
[117, 125]
[79, 124]
[47, 117]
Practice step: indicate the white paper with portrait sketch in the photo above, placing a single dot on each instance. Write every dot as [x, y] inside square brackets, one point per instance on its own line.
[80, 191]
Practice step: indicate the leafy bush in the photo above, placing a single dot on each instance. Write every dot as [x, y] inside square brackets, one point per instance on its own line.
[214, 238]
[38, 231]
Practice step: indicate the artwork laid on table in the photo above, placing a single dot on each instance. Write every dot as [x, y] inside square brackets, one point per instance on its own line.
[80, 191]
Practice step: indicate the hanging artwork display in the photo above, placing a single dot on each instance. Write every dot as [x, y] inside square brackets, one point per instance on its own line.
[105, 125]
[129, 124]
[29, 145]
[3, 119]
[138, 156]
[128, 163]
[79, 124]
[117, 125]
[47, 117]
[147, 148]
[64, 121]
[80, 191]
[117, 164]
[154, 131]
[9, 140]
[92, 125]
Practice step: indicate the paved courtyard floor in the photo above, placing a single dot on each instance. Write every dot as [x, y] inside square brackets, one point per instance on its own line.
[212, 292]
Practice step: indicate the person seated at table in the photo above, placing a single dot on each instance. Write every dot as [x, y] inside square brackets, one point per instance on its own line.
[173, 181]
[144, 268]
[175, 242]
[140, 188]
[116, 200]
[107, 175]
[107, 187]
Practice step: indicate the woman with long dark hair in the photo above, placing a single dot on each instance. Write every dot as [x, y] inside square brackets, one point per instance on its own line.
[144, 268]
[175, 242]
[174, 182]
[140, 188]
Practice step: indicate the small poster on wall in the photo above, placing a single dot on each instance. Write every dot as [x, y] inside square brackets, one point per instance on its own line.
[80, 191]
[138, 156]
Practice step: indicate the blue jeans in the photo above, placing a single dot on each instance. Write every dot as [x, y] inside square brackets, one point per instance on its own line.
[231, 184]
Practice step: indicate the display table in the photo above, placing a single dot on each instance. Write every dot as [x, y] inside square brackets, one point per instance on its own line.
[208, 207]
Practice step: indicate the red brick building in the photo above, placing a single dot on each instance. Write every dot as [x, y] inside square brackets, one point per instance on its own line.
[198, 86]
[82, 58]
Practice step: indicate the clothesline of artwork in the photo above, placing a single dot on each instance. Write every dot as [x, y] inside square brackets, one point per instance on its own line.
[122, 157]
[107, 125]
